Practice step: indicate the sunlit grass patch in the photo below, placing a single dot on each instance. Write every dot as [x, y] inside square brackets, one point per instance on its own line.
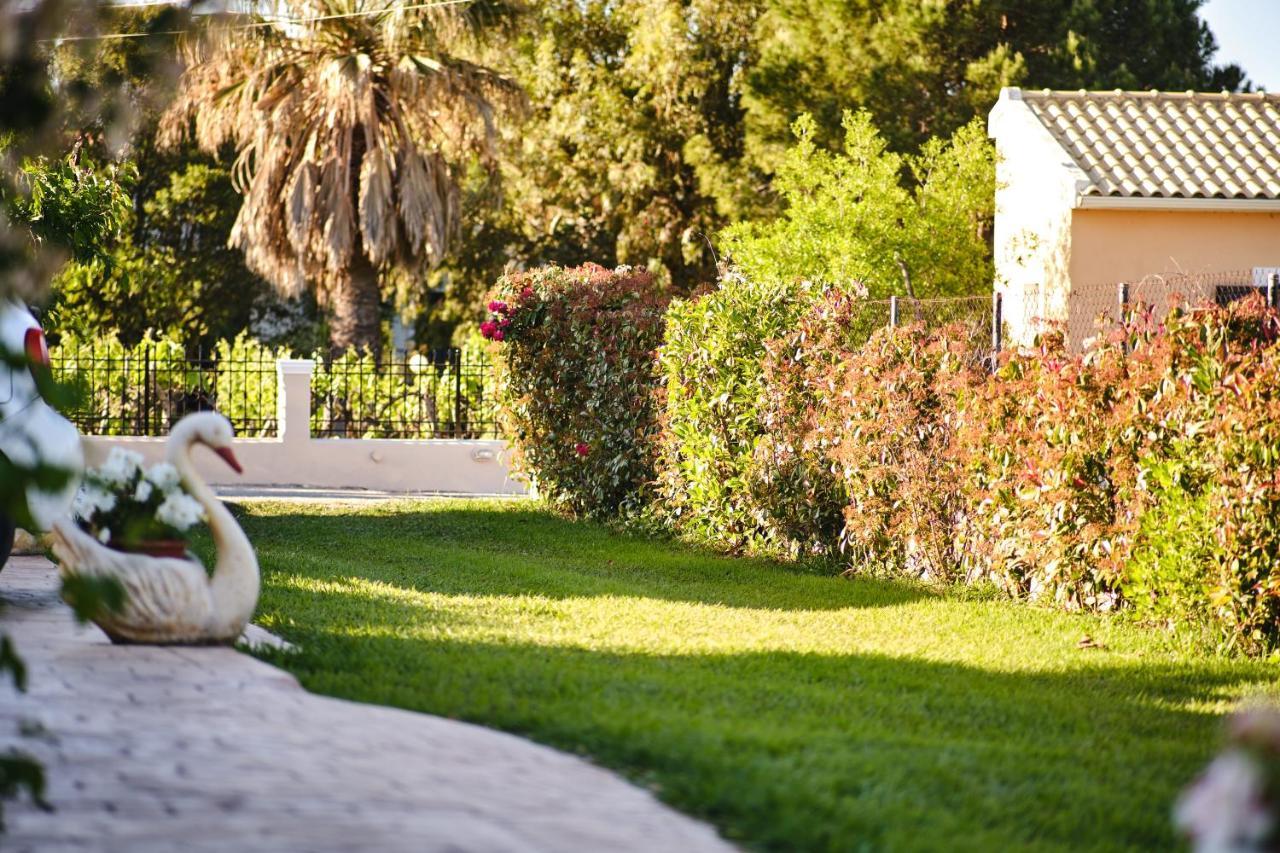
[793, 710]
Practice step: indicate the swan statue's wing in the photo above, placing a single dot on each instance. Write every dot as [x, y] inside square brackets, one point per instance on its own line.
[159, 591]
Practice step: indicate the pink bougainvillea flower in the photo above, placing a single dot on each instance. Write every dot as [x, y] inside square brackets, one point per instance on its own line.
[527, 293]
[487, 328]
[498, 334]
[582, 448]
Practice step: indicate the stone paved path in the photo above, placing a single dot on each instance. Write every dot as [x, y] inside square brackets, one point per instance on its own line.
[206, 749]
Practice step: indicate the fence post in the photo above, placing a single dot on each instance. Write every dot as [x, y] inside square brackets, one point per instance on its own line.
[997, 328]
[893, 312]
[1273, 290]
[1122, 300]
[455, 356]
[148, 416]
[293, 399]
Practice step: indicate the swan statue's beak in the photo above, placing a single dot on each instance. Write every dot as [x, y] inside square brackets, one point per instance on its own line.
[229, 458]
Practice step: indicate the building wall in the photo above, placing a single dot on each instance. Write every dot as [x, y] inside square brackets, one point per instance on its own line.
[1137, 246]
[1036, 187]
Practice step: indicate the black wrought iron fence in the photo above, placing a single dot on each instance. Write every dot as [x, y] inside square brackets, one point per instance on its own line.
[143, 390]
[448, 393]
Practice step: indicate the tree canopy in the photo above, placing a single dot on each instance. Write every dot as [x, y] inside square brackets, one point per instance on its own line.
[869, 219]
[649, 128]
[922, 69]
[348, 125]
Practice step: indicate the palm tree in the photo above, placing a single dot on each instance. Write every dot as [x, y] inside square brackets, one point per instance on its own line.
[351, 120]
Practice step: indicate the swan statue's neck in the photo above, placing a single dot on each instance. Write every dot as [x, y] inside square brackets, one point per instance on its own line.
[235, 582]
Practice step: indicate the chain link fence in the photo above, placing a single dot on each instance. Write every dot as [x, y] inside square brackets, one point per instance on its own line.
[1096, 308]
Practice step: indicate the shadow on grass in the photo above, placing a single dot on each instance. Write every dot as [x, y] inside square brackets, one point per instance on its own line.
[802, 751]
[786, 750]
[517, 550]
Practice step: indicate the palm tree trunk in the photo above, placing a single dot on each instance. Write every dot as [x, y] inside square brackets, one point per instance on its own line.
[355, 322]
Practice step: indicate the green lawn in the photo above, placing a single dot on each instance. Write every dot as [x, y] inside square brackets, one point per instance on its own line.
[792, 710]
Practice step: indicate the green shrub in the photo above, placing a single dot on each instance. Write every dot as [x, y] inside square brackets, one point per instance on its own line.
[1049, 474]
[799, 495]
[1212, 463]
[712, 363]
[579, 382]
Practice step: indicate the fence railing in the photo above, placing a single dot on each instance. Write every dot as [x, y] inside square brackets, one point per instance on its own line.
[143, 390]
[1087, 311]
[980, 319]
[1091, 309]
[444, 394]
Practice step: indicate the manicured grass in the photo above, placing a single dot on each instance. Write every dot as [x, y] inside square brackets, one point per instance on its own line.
[792, 710]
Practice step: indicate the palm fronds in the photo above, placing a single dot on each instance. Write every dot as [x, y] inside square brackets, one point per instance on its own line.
[349, 130]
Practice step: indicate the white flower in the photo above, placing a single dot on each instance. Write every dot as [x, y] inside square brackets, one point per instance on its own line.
[143, 493]
[104, 535]
[179, 511]
[164, 475]
[91, 499]
[1225, 809]
[121, 467]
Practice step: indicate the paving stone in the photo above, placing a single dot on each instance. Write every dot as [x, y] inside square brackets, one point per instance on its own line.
[207, 749]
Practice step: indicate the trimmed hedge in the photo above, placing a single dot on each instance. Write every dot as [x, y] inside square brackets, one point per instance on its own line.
[580, 386]
[1143, 473]
[712, 363]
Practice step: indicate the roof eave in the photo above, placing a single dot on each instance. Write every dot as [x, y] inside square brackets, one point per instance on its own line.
[1222, 205]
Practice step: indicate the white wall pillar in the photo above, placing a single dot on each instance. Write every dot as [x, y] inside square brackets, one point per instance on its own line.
[293, 399]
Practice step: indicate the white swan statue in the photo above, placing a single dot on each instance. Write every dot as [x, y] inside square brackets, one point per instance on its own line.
[170, 600]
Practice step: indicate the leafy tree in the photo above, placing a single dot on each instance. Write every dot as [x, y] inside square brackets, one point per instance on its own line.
[914, 225]
[349, 126]
[631, 149]
[72, 203]
[925, 69]
[169, 268]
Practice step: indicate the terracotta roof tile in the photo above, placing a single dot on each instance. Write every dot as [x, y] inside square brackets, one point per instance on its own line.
[1166, 144]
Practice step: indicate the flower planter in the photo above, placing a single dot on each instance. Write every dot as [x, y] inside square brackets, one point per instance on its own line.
[153, 547]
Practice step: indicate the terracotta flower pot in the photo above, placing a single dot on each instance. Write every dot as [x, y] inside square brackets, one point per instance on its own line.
[153, 547]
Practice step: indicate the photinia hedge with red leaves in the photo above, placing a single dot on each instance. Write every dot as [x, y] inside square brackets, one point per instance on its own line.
[580, 384]
[1142, 474]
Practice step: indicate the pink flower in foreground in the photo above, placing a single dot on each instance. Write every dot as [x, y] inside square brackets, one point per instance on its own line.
[488, 328]
[498, 334]
[582, 448]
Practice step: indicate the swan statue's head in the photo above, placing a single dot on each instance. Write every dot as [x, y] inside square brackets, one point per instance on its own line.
[210, 429]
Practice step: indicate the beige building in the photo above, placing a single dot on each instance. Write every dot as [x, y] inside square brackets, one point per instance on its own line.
[1096, 188]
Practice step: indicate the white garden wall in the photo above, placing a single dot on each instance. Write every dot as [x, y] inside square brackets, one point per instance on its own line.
[294, 458]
